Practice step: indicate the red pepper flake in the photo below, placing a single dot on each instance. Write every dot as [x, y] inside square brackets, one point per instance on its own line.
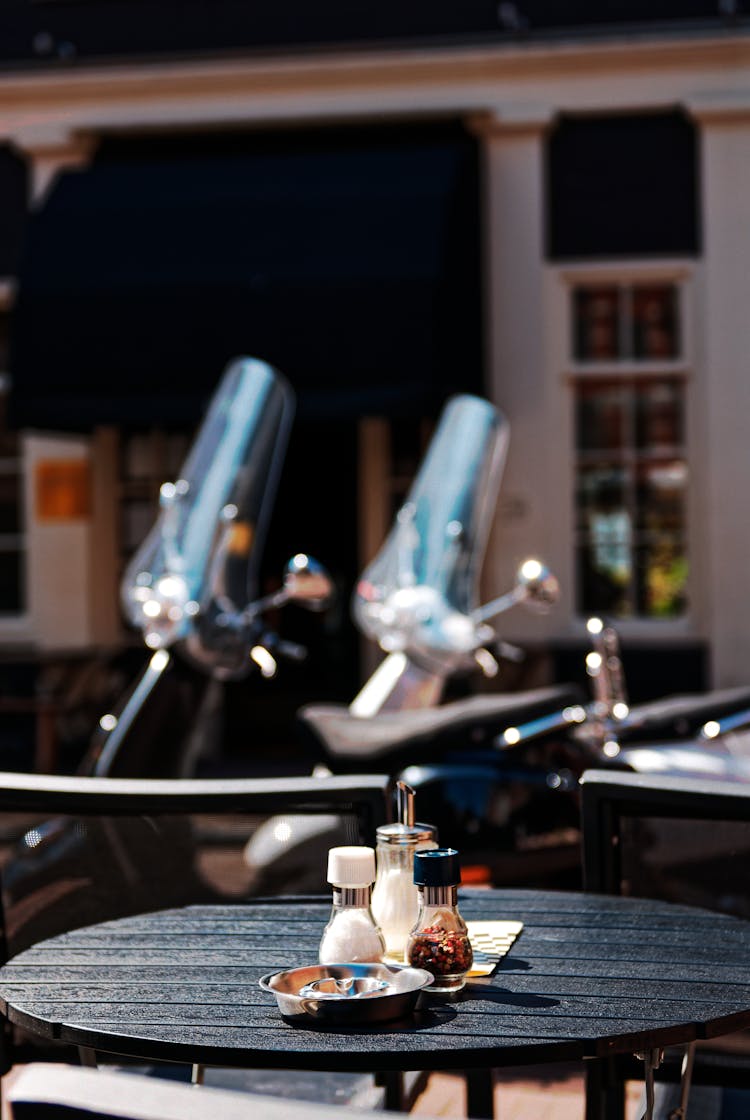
[441, 952]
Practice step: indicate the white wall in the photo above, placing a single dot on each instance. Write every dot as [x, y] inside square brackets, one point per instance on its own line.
[726, 342]
[59, 563]
[534, 511]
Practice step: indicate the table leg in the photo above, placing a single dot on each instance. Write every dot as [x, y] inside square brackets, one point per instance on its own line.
[605, 1091]
[686, 1077]
[480, 1097]
[87, 1057]
[651, 1061]
[198, 1075]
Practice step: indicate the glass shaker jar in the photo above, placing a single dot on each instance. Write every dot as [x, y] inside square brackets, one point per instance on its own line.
[439, 940]
[395, 900]
[351, 934]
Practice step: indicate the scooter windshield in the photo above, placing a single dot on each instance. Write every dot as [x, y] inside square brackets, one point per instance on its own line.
[199, 564]
[419, 592]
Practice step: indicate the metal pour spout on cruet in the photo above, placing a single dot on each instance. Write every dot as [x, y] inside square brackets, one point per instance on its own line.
[395, 899]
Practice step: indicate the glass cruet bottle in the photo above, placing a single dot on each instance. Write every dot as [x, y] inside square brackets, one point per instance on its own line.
[351, 934]
[395, 898]
[439, 941]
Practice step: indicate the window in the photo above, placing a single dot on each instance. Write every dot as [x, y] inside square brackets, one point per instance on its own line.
[630, 460]
[622, 184]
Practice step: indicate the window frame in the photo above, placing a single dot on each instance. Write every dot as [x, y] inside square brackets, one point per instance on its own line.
[573, 373]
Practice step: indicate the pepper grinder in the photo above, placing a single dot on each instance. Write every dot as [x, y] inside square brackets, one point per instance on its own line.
[351, 934]
[440, 941]
[395, 898]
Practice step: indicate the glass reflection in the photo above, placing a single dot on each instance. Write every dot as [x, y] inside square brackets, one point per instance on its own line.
[419, 592]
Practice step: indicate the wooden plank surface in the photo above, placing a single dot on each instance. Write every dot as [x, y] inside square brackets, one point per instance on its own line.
[588, 976]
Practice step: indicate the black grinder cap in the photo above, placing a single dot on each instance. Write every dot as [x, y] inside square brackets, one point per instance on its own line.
[439, 867]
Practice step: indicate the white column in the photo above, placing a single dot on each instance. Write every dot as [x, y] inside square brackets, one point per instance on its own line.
[725, 461]
[58, 561]
[50, 151]
[532, 517]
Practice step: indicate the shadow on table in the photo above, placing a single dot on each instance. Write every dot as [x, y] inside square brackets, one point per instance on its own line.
[422, 1020]
[493, 994]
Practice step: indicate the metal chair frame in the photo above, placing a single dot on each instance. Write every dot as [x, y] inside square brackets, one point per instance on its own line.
[608, 798]
[368, 797]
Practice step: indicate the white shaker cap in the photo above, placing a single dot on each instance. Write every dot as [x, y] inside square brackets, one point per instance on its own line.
[351, 866]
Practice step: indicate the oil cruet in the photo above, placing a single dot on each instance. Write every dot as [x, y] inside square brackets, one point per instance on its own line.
[395, 898]
[439, 941]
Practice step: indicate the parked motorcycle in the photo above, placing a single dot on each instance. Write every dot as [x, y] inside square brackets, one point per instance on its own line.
[497, 773]
[192, 586]
[419, 600]
[691, 733]
[192, 591]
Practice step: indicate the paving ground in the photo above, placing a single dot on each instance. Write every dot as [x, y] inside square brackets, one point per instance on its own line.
[557, 1095]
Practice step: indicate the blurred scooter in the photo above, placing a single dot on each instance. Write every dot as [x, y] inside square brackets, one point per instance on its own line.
[418, 600]
[704, 733]
[192, 586]
[191, 589]
[497, 772]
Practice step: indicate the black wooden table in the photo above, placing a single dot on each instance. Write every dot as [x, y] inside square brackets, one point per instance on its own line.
[589, 977]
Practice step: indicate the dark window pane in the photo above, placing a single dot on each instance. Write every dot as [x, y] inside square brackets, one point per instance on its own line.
[601, 496]
[659, 415]
[601, 416]
[11, 585]
[662, 573]
[622, 185]
[597, 324]
[655, 330]
[10, 506]
[604, 578]
[661, 496]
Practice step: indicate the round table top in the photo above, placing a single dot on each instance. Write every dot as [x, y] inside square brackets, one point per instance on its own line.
[588, 976]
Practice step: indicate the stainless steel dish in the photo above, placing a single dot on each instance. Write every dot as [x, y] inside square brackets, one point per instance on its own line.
[347, 993]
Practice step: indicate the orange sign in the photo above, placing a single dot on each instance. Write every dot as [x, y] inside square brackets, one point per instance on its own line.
[62, 490]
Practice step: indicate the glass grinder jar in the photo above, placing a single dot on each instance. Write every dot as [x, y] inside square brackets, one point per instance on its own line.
[439, 940]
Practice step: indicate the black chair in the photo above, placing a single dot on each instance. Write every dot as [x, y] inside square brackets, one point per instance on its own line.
[684, 840]
[77, 850]
[59, 1092]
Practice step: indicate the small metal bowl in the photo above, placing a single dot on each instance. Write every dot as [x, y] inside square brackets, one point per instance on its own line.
[347, 993]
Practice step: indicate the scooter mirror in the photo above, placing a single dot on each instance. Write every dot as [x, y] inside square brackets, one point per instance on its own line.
[537, 586]
[307, 583]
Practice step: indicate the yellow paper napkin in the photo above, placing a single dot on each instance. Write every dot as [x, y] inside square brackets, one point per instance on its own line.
[490, 941]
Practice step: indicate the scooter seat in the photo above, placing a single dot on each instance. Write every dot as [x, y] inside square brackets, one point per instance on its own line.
[682, 714]
[470, 722]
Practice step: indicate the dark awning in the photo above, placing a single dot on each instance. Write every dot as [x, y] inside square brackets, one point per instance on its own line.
[347, 259]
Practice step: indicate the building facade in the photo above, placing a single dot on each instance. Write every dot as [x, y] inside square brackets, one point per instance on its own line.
[586, 185]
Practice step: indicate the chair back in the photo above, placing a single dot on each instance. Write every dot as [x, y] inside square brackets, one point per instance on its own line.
[44, 1091]
[681, 839]
[75, 851]
[686, 840]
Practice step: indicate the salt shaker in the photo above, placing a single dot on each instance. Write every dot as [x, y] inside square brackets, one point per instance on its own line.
[395, 898]
[439, 940]
[351, 934]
